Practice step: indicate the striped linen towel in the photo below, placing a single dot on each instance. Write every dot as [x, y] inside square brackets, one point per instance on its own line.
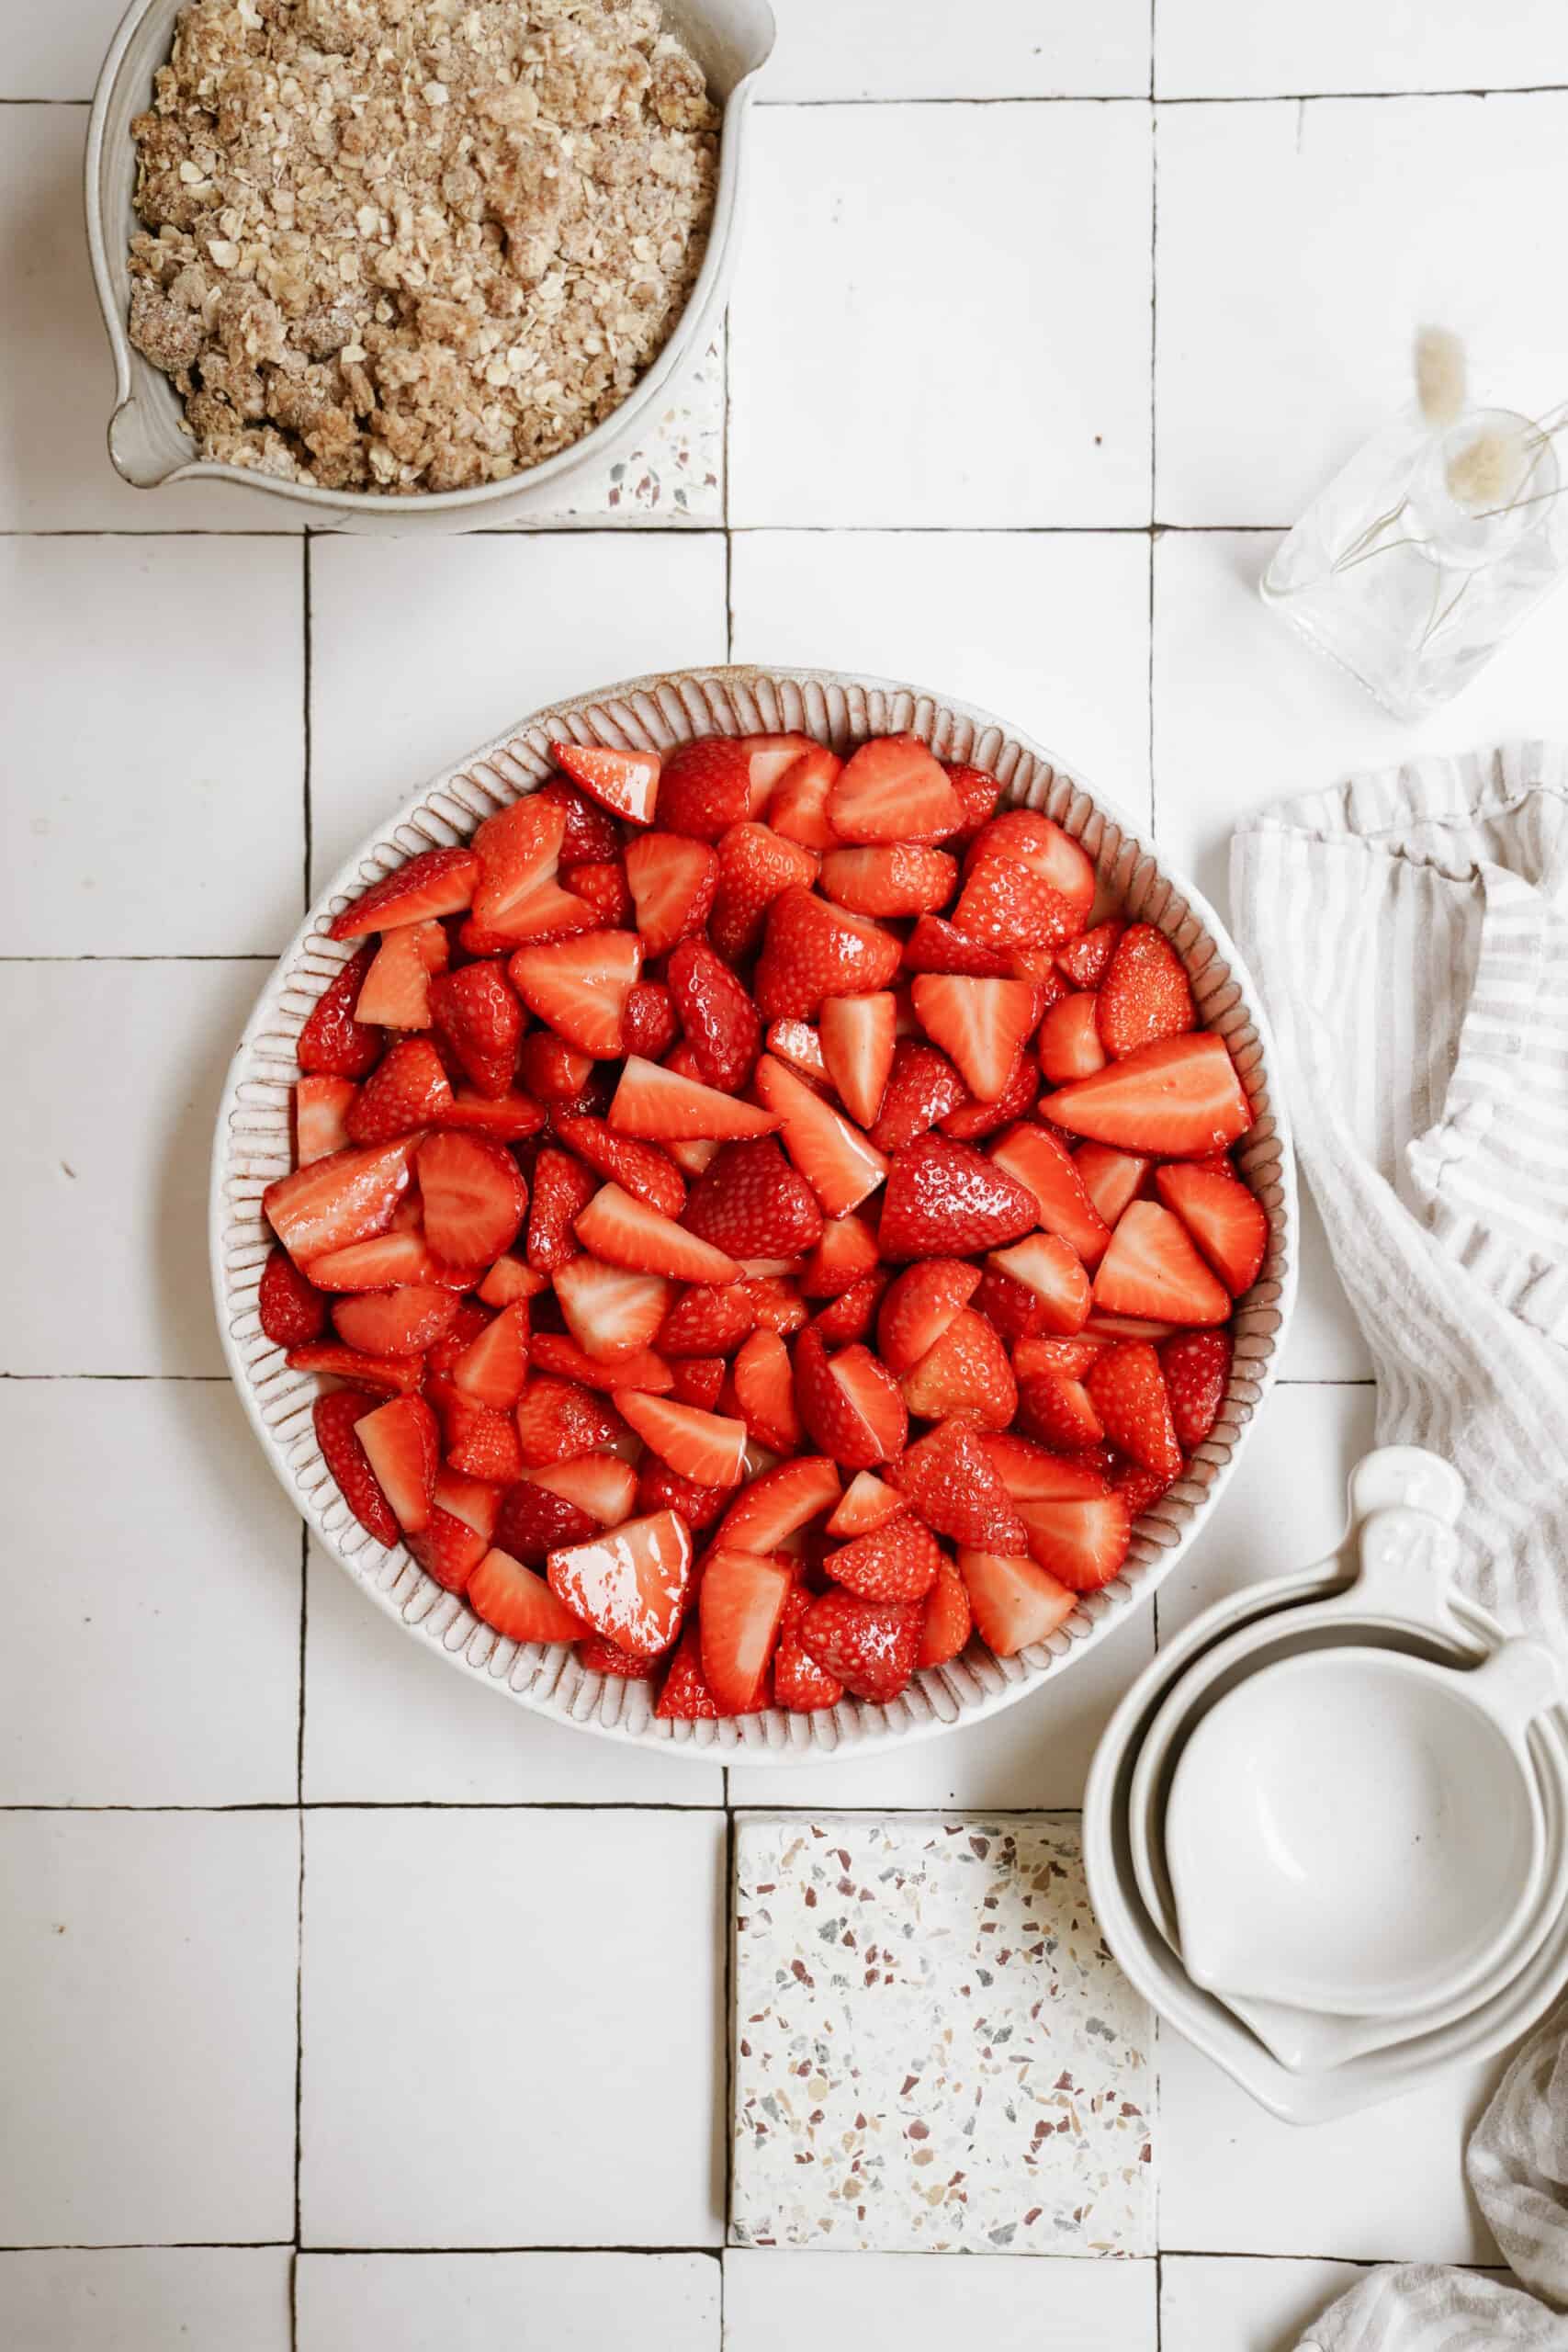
[1410, 934]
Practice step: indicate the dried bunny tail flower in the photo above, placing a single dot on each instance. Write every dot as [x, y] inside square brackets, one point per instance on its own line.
[1485, 472]
[1439, 375]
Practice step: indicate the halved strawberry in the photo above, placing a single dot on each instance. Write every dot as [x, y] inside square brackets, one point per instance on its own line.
[1069, 1042]
[334, 1202]
[845, 1253]
[627, 1232]
[474, 1198]
[966, 1372]
[1016, 1312]
[1227, 1222]
[948, 1621]
[402, 1446]
[1042, 845]
[797, 807]
[511, 1282]
[378, 1375]
[1197, 1369]
[706, 1320]
[1006, 905]
[477, 1017]
[866, 1504]
[395, 1322]
[921, 1305]
[751, 1204]
[922, 1087]
[477, 1439]
[562, 1189]
[438, 882]
[1152, 1269]
[396, 994]
[935, 946]
[626, 781]
[779, 1503]
[1043, 1161]
[466, 1324]
[707, 1448]
[579, 986]
[561, 1355]
[1051, 1269]
[1058, 1408]
[557, 1419]
[897, 1562]
[336, 1418]
[981, 1116]
[948, 1478]
[535, 1520]
[603, 887]
[1030, 1472]
[799, 1045]
[1080, 1540]
[660, 1104]
[589, 831]
[509, 1118]
[642, 1168]
[754, 867]
[519, 1603]
[1110, 1179]
[868, 1645]
[611, 1311]
[698, 1380]
[555, 1072]
[889, 879]
[1134, 1404]
[892, 791]
[1146, 994]
[686, 1696]
[799, 1683]
[718, 1019]
[764, 1392]
[332, 1042]
[850, 1403]
[320, 1118]
[1084, 960]
[1173, 1098]
[630, 1582]
[290, 1307]
[448, 1549]
[979, 792]
[1015, 1601]
[408, 1089]
[841, 1165]
[649, 1025]
[857, 1034]
[721, 780]
[943, 1198]
[812, 950]
[852, 1315]
[519, 851]
[1069, 1358]
[673, 881]
[740, 1603]
[600, 1483]
[473, 1500]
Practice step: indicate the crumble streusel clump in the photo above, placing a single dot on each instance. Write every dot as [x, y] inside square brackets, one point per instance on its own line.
[415, 244]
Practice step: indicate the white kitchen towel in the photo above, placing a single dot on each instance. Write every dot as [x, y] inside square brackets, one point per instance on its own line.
[1410, 934]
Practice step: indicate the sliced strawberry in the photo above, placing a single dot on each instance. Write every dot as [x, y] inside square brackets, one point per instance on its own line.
[890, 878]
[660, 1488]
[630, 1582]
[799, 1045]
[473, 1500]
[1006, 905]
[799, 1683]
[897, 1562]
[624, 782]
[642, 1168]
[706, 1320]
[511, 1282]
[333, 1041]
[980, 1117]
[1146, 994]
[922, 1087]
[335, 1202]
[740, 1604]
[841, 1164]
[627, 1232]
[1152, 1269]
[935, 946]
[1069, 1042]
[812, 950]
[535, 1520]
[448, 1549]
[1197, 1369]
[672, 882]
[718, 1019]
[557, 1420]
[1031, 1473]
[474, 1198]
[1016, 1312]
[320, 1118]
[751, 1204]
[1081, 1541]
[610, 1311]
[845, 1253]
[337, 1417]
[686, 1696]
[868, 1645]
[922, 1304]
[600, 1483]
[1084, 960]
[850, 1404]
[1042, 1162]
[438, 882]
[797, 807]
[648, 1026]
[561, 1355]
[1110, 1179]
[850, 1315]
[511, 1118]
[408, 1089]
[588, 830]
[554, 1071]
[1015, 1601]
[395, 1322]
[947, 1477]
[476, 1439]
[466, 1324]
[698, 1380]
[1134, 1404]
[477, 1017]
[378, 1375]
[662, 1105]
[764, 1392]
[1069, 1358]
[579, 986]
[892, 791]
[754, 867]
[1044, 848]
[706, 786]
[404, 1447]
[603, 887]
[596, 1656]
[979, 792]
[396, 994]
[778, 1305]
[948, 1621]
[857, 1034]
[707, 1448]
[519, 1603]
[1053, 1270]
[1058, 1409]
[1174, 1099]
[966, 1372]
[288, 1304]
[1227, 1222]
[866, 1503]
[945, 1198]
[776, 1505]
[519, 851]
[562, 1189]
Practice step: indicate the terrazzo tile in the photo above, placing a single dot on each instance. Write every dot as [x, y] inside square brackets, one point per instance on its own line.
[933, 2050]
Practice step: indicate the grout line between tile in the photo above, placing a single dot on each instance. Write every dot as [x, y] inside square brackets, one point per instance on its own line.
[299, 1894]
[305, 720]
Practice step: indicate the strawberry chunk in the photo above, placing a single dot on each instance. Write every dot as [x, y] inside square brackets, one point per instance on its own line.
[561, 1355]
[944, 1199]
[890, 878]
[336, 1418]
[1174, 1099]
[797, 807]
[402, 1446]
[611, 1311]
[408, 1090]
[922, 1087]
[983, 1116]
[1080, 1541]
[948, 1478]
[718, 1019]
[846, 1251]
[396, 994]
[673, 883]
[660, 1488]
[935, 946]
[474, 1198]
[290, 1307]
[642, 1168]
[706, 786]
[799, 1683]
[562, 1189]
[979, 792]
[751, 1204]
[337, 1201]
[754, 867]
[948, 1622]
[849, 1402]
[380, 1375]
[866, 1504]
[1152, 1269]
[812, 950]
[600, 1483]
[892, 791]
[660, 1104]
[477, 1017]
[698, 1380]
[707, 1448]
[395, 1322]
[332, 1042]
[764, 1392]
[579, 986]
[966, 1372]
[686, 1696]
[1110, 1179]
[1006, 905]
[518, 1602]
[1029, 1472]
[1134, 1404]
[629, 1582]
[557, 1419]
[448, 1549]
[1069, 1042]
[850, 1315]
[1227, 1222]
[624, 782]
[1040, 845]
[1015, 1601]
[868, 1645]
[922, 1304]
[1197, 1369]
[741, 1606]
[706, 1320]
[535, 1520]
[1146, 994]
[438, 882]
[857, 1034]
[979, 1025]
[1052, 1271]
[843, 1166]
[648, 1026]
[897, 1561]
[627, 1232]
[1043, 1161]
[588, 830]
[776, 1505]
[1084, 960]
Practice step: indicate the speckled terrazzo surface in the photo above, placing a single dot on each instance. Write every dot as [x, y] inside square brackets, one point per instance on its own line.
[933, 2050]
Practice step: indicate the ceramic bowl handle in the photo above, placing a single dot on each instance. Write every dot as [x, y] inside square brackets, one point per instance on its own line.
[1407, 1565]
[1406, 1477]
[1519, 1682]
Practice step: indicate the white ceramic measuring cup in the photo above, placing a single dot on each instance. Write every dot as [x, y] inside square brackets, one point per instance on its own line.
[1359, 1830]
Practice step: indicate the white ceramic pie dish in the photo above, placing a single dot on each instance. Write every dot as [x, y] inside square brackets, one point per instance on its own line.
[254, 1146]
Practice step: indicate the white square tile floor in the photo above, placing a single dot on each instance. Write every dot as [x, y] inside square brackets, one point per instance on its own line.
[964, 381]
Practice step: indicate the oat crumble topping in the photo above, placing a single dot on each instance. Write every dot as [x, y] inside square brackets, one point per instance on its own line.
[415, 244]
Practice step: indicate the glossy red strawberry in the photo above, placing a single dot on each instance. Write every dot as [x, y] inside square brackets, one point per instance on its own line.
[945, 1199]
[333, 1041]
[336, 1416]
[290, 1308]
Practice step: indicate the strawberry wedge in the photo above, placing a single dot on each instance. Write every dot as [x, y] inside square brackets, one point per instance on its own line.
[630, 1583]
[660, 1104]
[1174, 1100]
